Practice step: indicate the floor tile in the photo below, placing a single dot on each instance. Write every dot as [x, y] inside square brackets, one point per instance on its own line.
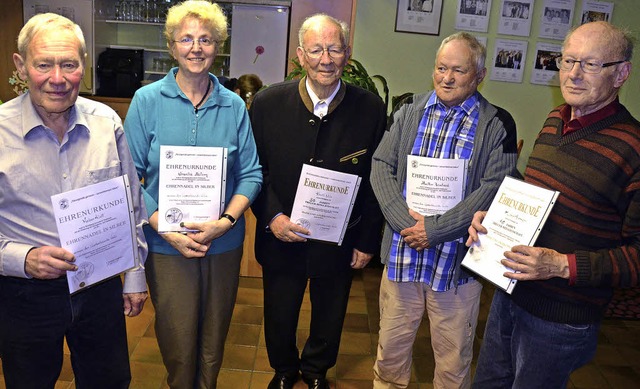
[260, 380]
[588, 377]
[147, 351]
[356, 367]
[234, 379]
[239, 357]
[147, 375]
[247, 314]
[356, 343]
[356, 322]
[262, 361]
[243, 334]
[250, 296]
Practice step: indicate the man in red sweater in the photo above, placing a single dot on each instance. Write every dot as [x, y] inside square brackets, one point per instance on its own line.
[589, 150]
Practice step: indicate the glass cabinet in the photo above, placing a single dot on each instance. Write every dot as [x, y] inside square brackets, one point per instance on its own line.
[139, 25]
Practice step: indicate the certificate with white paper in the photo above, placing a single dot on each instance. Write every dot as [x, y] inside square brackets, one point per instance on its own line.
[191, 186]
[324, 201]
[435, 185]
[96, 223]
[515, 217]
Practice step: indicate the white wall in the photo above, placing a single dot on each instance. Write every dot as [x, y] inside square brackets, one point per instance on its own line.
[406, 60]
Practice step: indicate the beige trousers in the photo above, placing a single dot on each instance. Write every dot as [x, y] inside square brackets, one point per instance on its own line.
[453, 316]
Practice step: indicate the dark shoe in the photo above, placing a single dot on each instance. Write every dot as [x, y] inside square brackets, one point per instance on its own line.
[283, 381]
[317, 383]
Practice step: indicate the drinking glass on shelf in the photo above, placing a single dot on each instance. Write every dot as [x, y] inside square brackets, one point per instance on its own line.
[146, 11]
[166, 64]
[135, 11]
[156, 10]
[157, 66]
[118, 11]
[126, 10]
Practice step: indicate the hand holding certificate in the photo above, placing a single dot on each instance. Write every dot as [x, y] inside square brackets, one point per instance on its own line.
[515, 217]
[323, 203]
[96, 223]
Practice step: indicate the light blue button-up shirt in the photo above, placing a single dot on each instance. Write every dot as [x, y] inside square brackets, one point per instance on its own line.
[34, 165]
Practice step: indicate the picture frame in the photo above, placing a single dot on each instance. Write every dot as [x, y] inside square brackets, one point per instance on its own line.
[419, 16]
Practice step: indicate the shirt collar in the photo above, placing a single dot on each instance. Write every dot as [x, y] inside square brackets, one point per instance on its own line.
[31, 118]
[218, 96]
[586, 120]
[315, 99]
[467, 106]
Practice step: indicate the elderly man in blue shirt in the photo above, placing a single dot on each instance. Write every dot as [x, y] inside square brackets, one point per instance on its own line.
[422, 254]
[52, 141]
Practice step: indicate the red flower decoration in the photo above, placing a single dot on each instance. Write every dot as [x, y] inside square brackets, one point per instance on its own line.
[259, 51]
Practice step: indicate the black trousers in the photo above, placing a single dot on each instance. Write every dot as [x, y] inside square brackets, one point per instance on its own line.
[36, 316]
[283, 294]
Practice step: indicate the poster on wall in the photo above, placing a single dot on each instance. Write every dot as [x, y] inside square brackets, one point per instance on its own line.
[556, 17]
[482, 39]
[509, 58]
[545, 68]
[515, 17]
[594, 11]
[419, 16]
[473, 15]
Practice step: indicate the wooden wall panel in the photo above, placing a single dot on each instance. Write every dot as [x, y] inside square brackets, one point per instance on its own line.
[11, 22]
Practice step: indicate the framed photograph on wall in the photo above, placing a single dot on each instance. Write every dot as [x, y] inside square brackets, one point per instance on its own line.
[419, 16]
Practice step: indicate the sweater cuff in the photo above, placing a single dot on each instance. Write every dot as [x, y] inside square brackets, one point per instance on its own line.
[573, 269]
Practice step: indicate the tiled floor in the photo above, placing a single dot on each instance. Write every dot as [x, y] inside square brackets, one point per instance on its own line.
[616, 365]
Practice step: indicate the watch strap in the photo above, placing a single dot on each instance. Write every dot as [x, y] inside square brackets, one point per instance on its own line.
[230, 218]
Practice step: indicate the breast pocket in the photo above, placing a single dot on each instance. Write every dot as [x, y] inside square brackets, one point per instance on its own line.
[104, 174]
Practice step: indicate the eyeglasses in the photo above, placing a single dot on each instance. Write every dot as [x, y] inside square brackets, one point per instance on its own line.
[591, 66]
[188, 41]
[334, 52]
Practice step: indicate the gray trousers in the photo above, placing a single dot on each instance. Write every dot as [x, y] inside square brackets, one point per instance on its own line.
[194, 300]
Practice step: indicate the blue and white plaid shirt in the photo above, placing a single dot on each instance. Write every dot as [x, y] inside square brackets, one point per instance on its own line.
[446, 133]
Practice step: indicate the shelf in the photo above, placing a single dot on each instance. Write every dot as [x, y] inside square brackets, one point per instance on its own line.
[161, 50]
[134, 22]
[141, 23]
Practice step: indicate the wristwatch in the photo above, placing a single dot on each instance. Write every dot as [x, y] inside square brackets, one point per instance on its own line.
[230, 218]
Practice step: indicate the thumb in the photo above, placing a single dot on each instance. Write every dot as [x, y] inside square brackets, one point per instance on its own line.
[127, 307]
[191, 226]
[414, 214]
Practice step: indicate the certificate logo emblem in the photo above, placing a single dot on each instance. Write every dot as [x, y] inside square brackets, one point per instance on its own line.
[64, 204]
[303, 223]
[169, 154]
[173, 215]
[414, 164]
[85, 270]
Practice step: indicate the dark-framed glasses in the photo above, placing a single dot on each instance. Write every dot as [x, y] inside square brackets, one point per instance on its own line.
[587, 66]
[187, 41]
[333, 52]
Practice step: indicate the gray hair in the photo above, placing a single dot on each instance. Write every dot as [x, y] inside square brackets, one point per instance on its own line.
[620, 39]
[312, 20]
[478, 51]
[48, 22]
